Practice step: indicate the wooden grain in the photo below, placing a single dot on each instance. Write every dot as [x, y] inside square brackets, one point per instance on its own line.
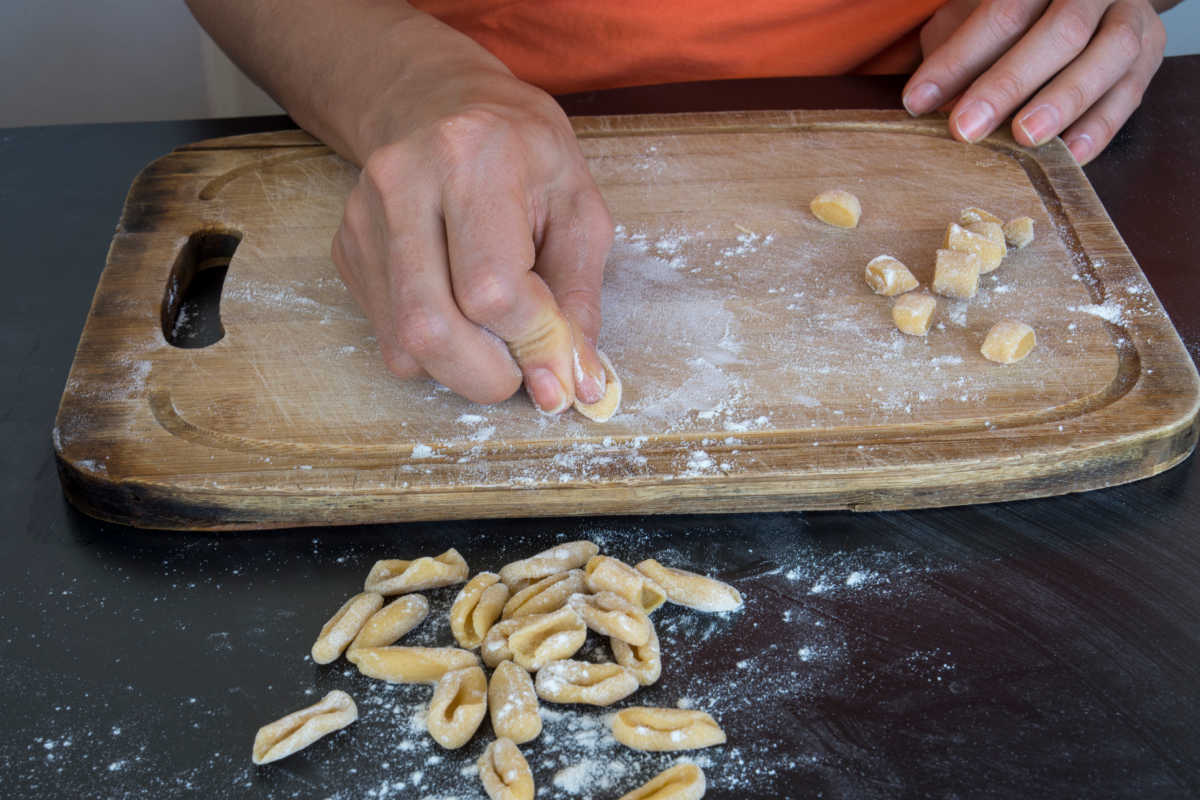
[760, 373]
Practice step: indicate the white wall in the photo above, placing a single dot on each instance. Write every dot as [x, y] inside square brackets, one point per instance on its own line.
[64, 61]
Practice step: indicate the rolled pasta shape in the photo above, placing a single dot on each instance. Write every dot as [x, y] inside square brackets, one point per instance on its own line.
[390, 623]
[396, 576]
[546, 595]
[505, 772]
[513, 703]
[298, 730]
[458, 706]
[680, 782]
[495, 645]
[341, 629]
[645, 662]
[543, 638]
[410, 664]
[583, 682]
[605, 573]
[560, 558]
[661, 729]
[476, 609]
[690, 589]
[609, 614]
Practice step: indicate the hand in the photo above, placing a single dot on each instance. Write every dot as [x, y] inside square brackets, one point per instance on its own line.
[475, 239]
[1075, 68]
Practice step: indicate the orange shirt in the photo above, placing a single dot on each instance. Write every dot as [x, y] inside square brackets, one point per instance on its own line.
[577, 45]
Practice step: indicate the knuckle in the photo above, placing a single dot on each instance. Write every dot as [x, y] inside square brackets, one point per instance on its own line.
[422, 334]
[1073, 27]
[382, 167]
[1008, 18]
[1077, 99]
[1005, 86]
[399, 363]
[488, 297]
[1125, 35]
[458, 137]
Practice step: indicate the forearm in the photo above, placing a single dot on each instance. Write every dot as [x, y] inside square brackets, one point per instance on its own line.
[336, 66]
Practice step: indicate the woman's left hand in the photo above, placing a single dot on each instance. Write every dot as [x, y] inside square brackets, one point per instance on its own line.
[1075, 68]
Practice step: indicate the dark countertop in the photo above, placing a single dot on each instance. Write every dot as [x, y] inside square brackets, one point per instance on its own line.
[1046, 648]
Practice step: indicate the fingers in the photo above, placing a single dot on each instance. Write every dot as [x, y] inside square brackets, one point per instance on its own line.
[491, 252]
[1092, 132]
[986, 34]
[571, 261]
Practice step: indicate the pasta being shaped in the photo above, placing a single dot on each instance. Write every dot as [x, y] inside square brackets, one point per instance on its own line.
[546, 595]
[299, 729]
[680, 782]
[505, 772]
[458, 706]
[341, 629]
[542, 638]
[609, 614]
[659, 729]
[605, 573]
[395, 576]
[513, 703]
[584, 682]
[390, 623]
[560, 558]
[476, 609]
[690, 589]
[645, 662]
[410, 664]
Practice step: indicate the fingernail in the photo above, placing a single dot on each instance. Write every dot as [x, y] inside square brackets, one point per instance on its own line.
[590, 388]
[975, 120]
[545, 390]
[923, 98]
[1080, 146]
[1040, 124]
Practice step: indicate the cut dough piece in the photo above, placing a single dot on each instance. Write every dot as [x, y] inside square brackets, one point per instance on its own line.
[837, 207]
[887, 276]
[1008, 341]
[990, 253]
[956, 274]
[1019, 232]
[992, 230]
[603, 409]
[912, 313]
[972, 214]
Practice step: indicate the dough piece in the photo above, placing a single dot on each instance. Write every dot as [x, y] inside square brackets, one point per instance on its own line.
[584, 682]
[542, 638]
[663, 729]
[912, 313]
[690, 589]
[887, 276]
[838, 208]
[603, 409]
[410, 664]
[513, 703]
[388, 624]
[644, 662]
[1008, 341]
[560, 558]
[505, 772]
[990, 253]
[545, 596]
[681, 782]
[971, 215]
[1018, 232]
[395, 576]
[341, 629]
[956, 274]
[605, 573]
[609, 614]
[476, 608]
[301, 728]
[495, 645]
[458, 706]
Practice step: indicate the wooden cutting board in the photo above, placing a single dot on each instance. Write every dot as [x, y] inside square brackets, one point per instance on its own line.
[760, 371]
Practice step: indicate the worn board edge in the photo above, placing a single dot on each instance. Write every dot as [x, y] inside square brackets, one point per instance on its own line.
[1036, 474]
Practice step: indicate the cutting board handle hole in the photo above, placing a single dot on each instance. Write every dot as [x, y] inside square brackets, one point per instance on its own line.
[191, 307]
